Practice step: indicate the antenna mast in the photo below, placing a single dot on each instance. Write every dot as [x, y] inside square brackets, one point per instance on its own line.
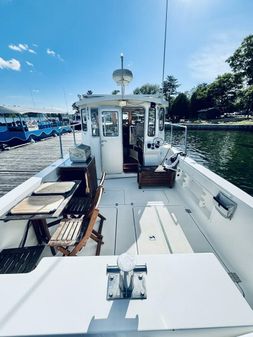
[165, 39]
[122, 76]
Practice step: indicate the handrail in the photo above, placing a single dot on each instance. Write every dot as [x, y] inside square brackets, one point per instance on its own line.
[72, 126]
[61, 148]
[185, 134]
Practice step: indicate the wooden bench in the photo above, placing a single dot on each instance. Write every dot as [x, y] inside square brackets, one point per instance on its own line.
[148, 176]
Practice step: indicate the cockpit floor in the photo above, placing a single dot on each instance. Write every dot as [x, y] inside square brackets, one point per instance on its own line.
[145, 221]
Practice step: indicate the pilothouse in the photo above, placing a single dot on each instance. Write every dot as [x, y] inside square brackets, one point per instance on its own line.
[131, 131]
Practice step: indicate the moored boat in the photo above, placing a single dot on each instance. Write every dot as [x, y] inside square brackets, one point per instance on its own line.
[19, 125]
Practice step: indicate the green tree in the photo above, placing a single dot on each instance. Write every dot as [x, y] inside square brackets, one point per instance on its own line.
[169, 90]
[180, 107]
[115, 92]
[147, 89]
[200, 99]
[89, 92]
[246, 100]
[241, 61]
[75, 107]
[224, 90]
[169, 87]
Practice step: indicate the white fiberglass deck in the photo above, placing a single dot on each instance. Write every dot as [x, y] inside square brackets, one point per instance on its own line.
[146, 221]
[187, 295]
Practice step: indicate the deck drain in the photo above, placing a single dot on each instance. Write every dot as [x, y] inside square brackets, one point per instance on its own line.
[152, 238]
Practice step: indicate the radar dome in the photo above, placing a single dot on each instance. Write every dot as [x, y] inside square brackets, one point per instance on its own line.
[122, 76]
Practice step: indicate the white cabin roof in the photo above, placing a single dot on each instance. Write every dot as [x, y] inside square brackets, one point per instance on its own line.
[116, 99]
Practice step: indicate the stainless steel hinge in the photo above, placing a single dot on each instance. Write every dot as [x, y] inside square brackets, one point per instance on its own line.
[235, 278]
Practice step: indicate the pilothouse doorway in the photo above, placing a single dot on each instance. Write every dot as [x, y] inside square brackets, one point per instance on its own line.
[133, 137]
[111, 140]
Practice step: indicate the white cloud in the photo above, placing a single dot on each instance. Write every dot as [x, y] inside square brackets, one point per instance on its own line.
[51, 52]
[209, 62]
[29, 63]
[54, 54]
[14, 47]
[32, 51]
[21, 47]
[12, 64]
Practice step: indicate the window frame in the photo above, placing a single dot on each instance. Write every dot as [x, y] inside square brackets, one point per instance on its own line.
[151, 125]
[94, 111]
[103, 113]
[161, 121]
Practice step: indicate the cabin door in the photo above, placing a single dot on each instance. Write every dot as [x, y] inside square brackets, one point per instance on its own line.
[111, 140]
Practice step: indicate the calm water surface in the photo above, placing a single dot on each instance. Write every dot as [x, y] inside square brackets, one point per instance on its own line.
[227, 153]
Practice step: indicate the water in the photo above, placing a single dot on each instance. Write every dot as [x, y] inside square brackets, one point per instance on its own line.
[227, 153]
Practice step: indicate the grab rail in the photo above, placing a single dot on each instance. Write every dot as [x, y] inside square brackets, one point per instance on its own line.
[60, 135]
[185, 134]
[60, 140]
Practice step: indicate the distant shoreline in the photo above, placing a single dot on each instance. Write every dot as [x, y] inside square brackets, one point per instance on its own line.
[218, 127]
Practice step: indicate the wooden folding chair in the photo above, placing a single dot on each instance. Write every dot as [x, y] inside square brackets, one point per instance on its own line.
[79, 205]
[77, 231]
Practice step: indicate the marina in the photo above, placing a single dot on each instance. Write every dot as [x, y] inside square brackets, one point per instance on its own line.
[20, 125]
[14, 167]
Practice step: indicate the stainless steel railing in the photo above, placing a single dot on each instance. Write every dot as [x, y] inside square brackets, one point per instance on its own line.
[60, 137]
[172, 125]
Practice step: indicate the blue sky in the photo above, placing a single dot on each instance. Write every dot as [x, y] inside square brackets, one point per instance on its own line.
[52, 50]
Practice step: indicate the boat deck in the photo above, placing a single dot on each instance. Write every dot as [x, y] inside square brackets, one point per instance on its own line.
[145, 221]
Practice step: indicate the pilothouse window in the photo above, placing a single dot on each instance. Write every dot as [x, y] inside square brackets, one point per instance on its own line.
[94, 122]
[84, 119]
[110, 120]
[161, 119]
[151, 122]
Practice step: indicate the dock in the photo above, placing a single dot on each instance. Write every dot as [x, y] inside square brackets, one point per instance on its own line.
[21, 163]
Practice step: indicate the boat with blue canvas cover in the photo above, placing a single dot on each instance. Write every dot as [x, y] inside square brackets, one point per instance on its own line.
[20, 125]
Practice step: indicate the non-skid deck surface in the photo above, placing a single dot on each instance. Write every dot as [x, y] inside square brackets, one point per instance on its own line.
[146, 221]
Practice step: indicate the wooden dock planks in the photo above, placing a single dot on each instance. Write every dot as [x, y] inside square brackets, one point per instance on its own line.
[21, 163]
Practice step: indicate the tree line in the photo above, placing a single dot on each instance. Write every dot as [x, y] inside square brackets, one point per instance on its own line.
[229, 92]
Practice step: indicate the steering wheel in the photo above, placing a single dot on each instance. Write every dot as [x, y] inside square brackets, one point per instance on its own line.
[158, 141]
